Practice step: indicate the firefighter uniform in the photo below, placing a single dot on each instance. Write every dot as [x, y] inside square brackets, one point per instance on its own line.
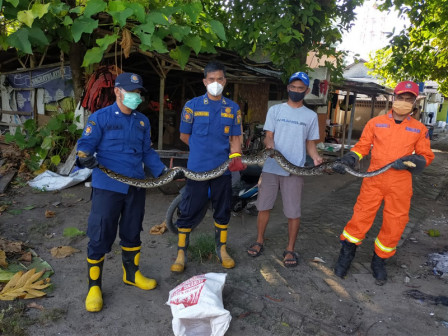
[387, 141]
[121, 143]
[210, 124]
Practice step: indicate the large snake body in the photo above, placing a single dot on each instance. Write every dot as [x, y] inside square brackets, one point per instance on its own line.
[258, 159]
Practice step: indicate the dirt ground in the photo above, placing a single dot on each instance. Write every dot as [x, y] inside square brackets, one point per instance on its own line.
[263, 297]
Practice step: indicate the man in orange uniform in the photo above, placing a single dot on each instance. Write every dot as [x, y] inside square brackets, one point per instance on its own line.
[392, 137]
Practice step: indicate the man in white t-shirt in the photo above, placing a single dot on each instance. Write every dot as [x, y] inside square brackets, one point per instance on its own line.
[291, 128]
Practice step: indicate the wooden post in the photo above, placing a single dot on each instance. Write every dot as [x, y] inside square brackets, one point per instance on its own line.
[352, 118]
[347, 98]
[161, 107]
[372, 111]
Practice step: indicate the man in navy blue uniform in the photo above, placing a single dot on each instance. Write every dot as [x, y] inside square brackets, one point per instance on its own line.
[120, 137]
[211, 126]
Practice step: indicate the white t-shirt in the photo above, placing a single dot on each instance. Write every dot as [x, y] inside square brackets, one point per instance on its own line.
[292, 127]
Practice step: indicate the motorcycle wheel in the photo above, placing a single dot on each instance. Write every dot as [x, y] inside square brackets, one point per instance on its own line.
[173, 213]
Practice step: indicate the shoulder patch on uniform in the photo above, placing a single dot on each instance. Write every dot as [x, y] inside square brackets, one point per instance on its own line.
[92, 122]
[187, 115]
[142, 123]
[238, 117]
[226, 129]
[88, 130]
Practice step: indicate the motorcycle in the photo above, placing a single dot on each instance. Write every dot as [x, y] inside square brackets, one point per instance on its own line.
[244, 195]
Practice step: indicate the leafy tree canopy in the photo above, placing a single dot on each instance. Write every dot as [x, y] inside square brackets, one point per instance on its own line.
[30, 26]
[285, 31]
[282, 31]
[419, 52]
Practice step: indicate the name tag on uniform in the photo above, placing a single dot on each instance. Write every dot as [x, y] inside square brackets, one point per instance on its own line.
[201, 114]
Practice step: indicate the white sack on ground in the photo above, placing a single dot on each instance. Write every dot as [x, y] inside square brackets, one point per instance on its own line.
[49, 180]
[197, 308]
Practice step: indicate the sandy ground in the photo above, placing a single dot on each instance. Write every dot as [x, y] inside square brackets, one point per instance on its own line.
[263, 297]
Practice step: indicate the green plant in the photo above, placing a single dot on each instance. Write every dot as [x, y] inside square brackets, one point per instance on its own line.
[49, 144]
[13, 319]
[202, 248]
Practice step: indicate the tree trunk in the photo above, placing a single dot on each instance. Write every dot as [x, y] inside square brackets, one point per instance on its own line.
[76, 56]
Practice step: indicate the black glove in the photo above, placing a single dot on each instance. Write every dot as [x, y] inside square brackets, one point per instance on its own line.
[350, 159]
[179, 175]
[418, 160]
[87, 162]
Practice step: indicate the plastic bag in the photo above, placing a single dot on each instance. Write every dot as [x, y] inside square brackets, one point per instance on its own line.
[197, 308]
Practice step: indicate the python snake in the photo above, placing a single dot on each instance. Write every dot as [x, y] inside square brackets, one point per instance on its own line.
[258, 159]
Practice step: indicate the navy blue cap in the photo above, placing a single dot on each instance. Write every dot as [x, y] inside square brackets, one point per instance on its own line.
[300, 76]
[129, 81]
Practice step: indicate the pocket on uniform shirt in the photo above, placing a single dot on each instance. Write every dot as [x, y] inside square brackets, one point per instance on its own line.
[200, 125]
[113, 140]
[226, 125]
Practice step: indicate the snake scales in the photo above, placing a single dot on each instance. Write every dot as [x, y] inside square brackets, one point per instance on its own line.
[258, 159]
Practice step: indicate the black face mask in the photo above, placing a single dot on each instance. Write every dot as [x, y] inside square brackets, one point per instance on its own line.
[296, 96]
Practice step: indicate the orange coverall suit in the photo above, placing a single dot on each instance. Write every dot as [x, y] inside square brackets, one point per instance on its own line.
[390, 142]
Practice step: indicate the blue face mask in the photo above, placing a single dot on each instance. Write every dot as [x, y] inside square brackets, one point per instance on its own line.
[131, 99]
[296, 96]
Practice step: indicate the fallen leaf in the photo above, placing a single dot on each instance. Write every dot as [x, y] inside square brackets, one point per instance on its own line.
[158, 229]
[3, 262]
[63, 251]
[26, 257]
[29, 207]
[9, 246]
[49, 213]
[318, 260]
[273, 299]
[72, 232]
[35, 305]
[24, 286]
[3, 207]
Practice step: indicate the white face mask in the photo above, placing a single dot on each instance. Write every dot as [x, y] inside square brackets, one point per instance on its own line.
[215, 89]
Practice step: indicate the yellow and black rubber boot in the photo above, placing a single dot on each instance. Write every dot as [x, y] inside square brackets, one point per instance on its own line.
[94, 299]
[183, 236]
[221, 240]
[131, 273]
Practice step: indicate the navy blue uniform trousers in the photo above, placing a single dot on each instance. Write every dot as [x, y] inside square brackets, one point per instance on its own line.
[195, 197]
[110, 211]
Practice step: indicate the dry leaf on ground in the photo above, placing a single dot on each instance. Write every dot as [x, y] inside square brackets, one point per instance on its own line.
[24, 286]
[27, 256]
[63, 251]
[35, 305]
[3, 262]
[3, 208]
[49, 213]
[10, 247]
[158, 229]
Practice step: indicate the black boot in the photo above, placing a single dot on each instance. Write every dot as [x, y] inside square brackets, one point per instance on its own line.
[378, 269]
[131, 273]
[346, 256]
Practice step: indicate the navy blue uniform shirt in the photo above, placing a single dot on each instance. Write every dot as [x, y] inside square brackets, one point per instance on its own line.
[210, 123]
[122, 143]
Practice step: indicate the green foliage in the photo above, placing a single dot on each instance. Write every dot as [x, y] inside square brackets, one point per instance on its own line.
[202, 248]
[49, 144]
[155, 23]
[420, 51]
[286, 31]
